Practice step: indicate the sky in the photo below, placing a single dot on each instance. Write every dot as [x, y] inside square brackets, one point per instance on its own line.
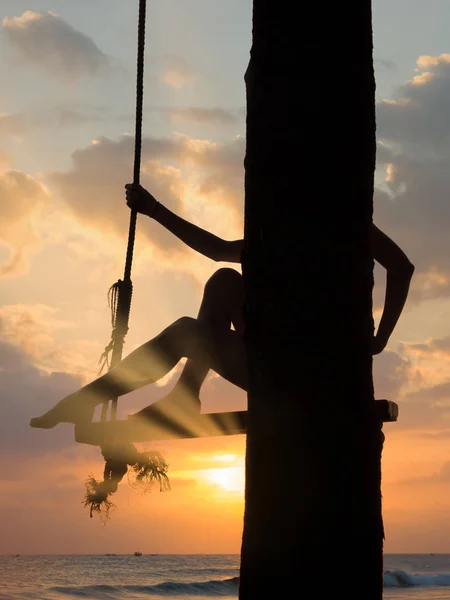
[66, 152]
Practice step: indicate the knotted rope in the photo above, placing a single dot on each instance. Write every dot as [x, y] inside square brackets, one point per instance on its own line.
[121, 292]
[148, 467]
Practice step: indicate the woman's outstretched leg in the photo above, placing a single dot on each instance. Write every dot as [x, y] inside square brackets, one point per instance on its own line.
[224, 352]
[221, 307]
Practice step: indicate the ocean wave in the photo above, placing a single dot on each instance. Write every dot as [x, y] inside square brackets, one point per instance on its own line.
[404, 579]
[224, 587]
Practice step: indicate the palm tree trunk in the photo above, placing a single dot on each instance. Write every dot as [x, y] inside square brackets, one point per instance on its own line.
[313, 517]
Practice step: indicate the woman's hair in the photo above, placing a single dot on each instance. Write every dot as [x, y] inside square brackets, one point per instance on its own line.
[147, 468]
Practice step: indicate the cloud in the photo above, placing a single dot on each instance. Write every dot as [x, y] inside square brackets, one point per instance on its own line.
[414, 209]
[94, 187]
[383, 64]
[57, 116]
[434, 394]
[417, 117]
[426, 409]
[26, 392]
[34, 329]
[391, 373]
[12, 125]
[411, 204]
[439, 477]
[175, 71]
[23, 199]
[208, 116]
[15, 125]
[434, 347]
[174, 170]
[46, 40]
[424, 405]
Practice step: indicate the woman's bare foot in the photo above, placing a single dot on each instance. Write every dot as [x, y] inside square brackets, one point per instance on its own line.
[76, 408]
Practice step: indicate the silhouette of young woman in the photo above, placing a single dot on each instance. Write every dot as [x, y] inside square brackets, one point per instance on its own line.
[208, 342]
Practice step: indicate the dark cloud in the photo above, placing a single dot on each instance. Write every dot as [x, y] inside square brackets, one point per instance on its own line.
[414, 152]
[415, 211]
[391, 373]
[426, 409]
[384, 64]
[27, 392]
[46, 40]
[417, 118]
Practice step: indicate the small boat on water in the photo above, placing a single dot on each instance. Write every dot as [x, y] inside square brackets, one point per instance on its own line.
[137, 553]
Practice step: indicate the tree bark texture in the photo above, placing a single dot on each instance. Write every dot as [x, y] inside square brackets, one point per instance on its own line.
[313, 521]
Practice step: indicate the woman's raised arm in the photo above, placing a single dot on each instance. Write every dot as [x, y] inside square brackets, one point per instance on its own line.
[195, 237]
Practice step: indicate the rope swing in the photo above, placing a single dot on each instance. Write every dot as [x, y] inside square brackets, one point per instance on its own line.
[120, 293]
[116, 437]
[148, 467]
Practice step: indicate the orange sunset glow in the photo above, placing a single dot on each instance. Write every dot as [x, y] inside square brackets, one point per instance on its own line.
[66, 153]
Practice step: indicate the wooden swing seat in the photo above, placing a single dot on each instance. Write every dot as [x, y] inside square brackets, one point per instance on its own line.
[204, 425]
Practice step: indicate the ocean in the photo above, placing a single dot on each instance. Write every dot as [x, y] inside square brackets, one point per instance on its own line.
[186, 577]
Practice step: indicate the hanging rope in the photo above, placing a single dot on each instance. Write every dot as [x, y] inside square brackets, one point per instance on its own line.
[148, 467]
[120, 293]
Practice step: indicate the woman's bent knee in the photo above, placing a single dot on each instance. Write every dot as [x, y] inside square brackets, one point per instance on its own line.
[224, 280]
[185, 325]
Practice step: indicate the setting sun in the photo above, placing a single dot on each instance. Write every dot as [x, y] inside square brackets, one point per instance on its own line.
[231, 479]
